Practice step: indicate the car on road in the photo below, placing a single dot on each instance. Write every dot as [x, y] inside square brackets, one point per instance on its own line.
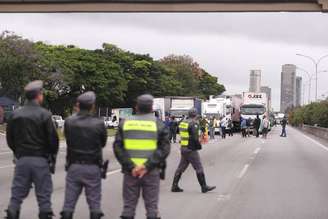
[58, 121]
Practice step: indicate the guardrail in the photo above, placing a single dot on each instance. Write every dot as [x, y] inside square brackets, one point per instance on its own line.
[316, 131]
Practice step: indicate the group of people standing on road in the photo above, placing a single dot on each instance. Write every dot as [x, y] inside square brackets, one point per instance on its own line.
[224, 125]
[257, 126]
[141, 146]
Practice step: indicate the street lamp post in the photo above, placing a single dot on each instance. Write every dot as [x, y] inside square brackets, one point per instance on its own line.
[310, 82]
[316, 64]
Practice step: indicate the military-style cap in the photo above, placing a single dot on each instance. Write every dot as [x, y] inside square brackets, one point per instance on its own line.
[87, 98]
[145, 100]
[192, 112]
[34, 86]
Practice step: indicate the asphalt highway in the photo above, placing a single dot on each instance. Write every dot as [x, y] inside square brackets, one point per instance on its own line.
[274, 178]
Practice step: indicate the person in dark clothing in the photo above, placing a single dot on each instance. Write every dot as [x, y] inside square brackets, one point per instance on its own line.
[257, 124]
[190, 146]
[230, 128]
[32, 137]
[243, 126]
[86, 136]
[141, 146]
[173, 129]
[283, 125]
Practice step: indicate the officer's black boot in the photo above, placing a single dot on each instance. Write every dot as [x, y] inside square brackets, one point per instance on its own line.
[175, 185]
[46, 215]
[202, 183]
[96, 215]
[122, 217]
[12, 214]
[153, 218]
[66, 215]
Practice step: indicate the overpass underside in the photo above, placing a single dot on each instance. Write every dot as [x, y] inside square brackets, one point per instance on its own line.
[164, 6]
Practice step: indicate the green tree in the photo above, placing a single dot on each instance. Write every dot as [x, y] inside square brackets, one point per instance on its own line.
[18, 64]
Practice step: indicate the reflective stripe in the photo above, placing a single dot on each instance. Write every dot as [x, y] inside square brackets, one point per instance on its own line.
[184, 143]
[183, 125]
[139, 135]
[139, 161]
[184, 134]
[140, 144]
[140, 125]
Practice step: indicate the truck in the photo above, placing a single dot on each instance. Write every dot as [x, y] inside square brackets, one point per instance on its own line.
[162, 107]
[254, 104]
[180, 106]
[176, 106]
[217, 106]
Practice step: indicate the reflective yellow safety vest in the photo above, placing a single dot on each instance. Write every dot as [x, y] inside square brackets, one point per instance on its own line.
[184, 133]
[140, 139]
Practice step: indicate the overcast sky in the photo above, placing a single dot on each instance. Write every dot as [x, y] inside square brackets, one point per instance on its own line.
[227, 45]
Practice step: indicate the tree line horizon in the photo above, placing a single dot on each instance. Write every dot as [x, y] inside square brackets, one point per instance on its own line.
[117, 76]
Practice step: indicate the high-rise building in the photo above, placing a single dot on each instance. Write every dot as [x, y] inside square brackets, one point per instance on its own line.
[288, 87]
[298, 91]
[267, 90]
[255, 81]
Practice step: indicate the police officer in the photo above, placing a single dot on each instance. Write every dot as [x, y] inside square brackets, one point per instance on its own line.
[86, 136]
[32, 137]
[190, 145]
[141, 146]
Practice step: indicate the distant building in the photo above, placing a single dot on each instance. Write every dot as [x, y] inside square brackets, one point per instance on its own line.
[288, 87]
[255, 81]
[267, 90]
[298, 91]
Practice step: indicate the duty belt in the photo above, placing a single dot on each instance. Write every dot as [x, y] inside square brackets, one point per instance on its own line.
[85, 162]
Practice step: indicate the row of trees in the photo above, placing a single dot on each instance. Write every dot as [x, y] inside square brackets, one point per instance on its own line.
[117, 76]
[311, 114]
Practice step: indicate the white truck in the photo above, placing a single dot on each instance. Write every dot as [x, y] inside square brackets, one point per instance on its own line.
[254, 104]
[180, 106]
[176, 106]
[217, 107]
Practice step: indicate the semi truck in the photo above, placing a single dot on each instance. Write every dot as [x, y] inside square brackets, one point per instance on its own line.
[254, 104]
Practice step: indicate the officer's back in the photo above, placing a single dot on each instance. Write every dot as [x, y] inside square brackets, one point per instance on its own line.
[32, 137]
[31, 131]
[85, 135]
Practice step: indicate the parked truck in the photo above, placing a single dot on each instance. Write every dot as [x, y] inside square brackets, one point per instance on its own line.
[180, 106]
[176, 106]
[254, 104]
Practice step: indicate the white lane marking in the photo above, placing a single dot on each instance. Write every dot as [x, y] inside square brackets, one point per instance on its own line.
[316, 142]
[8, 166]
[257, 150]
[243, 171]
[113, 172]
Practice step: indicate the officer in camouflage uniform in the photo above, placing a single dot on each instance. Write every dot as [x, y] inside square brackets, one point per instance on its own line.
[32, 137]
[190, 145]
[86, 136]
[141, 146]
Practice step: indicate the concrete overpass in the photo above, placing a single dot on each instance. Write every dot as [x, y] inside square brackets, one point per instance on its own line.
[163, 5]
